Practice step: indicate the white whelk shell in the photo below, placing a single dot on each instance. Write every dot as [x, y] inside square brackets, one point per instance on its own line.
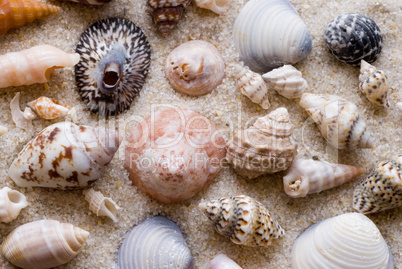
[101, 205]
[309, 176]
[21, 119]
[222, 261]
[287, 81]
[374, 84]
[217, 6]
[348, 241]
[11, 203]
[3, 130]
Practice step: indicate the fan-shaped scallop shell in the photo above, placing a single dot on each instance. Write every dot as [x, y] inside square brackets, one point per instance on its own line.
[269, 34]
[43, 244]
[382, 189]
[244, 220]
[352, 38]
[11, 203]
[16, 13]
[195, 68]
[154, 243]
[101, 205]
[217, 6]
[348, 241]
[115, 58]
[338, 120]
[266, 147]
[65, 156]
[47, 109]
[287, 81]
[374, 84]
[309, 176]
[222, 261]
[34, 65]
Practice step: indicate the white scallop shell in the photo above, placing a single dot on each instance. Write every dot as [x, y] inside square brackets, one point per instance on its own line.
[222, 261]
[374, 84]
[11, 203]
[21, 119]
[101, 205]
[217, 6]
[348, 241]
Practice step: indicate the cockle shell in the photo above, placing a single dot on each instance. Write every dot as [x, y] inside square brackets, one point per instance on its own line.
[222, 261]
[115, 58]
[309, 176]
[348, 241]
[217, 6]
[101, 205]
[175, 155]
[65, 156]
[244, 220]
[11, 203]
[269, 34]
[195, 68]
[382, 189]
[374, 84]
[21, 119]
[287, 81]
[154, 243]
[253, 86]
[34, 65]
[43, 244]
[352, 38]
[47, 109]
[266, 147]
[166, 13]
[3, 130]
[16, 13]
[338, 121]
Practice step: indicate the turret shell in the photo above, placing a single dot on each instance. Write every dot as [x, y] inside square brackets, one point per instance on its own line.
[101, 205]
[217, 6]
[11, 203]
[374, 84]
[47, 109]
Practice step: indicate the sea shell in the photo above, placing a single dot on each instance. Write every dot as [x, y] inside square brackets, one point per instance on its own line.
[374, 84]
[65, 156]
[47, 109]
[43, 244]
[244, 220]
[348, 241]
[309, 176]
[91, 2]
[269, 34]
[352, 38]
[287, 81]
[166, 13]
[253, 86]
[338, 121]
[3, 130]
[115, 58]
[34, 65]
[101, 205]
[154, 243]
[11, 203]
[266, 147]
[195, 68]
[21, 119]
[175, 155]
[217, 6]
[382, 189]
[222, 261]
[16, 13]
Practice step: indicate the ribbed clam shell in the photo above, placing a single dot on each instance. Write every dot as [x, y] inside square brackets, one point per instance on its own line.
[338, 120]
[101, 205]
[11, 203]
[3, 130]
[382, 189]
[287, 81]
[374, 84]
[222, 261]
[115, 58]
[348, 241]
[309, 176]
[352, 38]
[21, 119]
[155, 243]
[34, 65]
[266, 147]
[47, 109]
[217, 6]
[65, 156]
[195, 68]
[244, 220]
[270, 33]
[43, 244]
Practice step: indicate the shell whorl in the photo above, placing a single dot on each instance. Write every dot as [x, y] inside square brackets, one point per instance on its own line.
[11, 203]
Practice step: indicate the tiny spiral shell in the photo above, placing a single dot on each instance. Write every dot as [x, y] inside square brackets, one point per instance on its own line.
[217, 6]
[101, 205]
[374, 84]
[21, 119]
[11, 203]
[47, 109]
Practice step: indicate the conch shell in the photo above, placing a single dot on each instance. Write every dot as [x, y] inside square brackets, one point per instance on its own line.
[309, 176]
[217, 6]
[21, 119]
[101, 205]
[34, 65]
[43, 244]
[11, 203]
[65, 156]
[266, 147]
[47, 109]
[374, 84]
[16, 13]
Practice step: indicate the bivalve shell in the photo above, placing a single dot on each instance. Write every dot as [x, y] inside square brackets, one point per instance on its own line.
[374, 84]
[11, 203]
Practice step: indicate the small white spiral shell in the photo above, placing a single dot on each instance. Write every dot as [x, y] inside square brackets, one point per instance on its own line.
[101, 205]
[21, 119]
[217, 6]
[11, 203]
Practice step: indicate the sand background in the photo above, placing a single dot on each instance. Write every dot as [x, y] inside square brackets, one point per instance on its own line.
[225, 107]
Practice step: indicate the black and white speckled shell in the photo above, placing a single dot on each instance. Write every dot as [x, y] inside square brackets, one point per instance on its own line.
[352, 38]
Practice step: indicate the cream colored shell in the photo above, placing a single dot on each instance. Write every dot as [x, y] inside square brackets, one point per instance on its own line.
[11, 203]
[3, 130]
[374, 84]
[222, 261]
[195, 68]
[47, 109]
[217, 6]
[21, 119]
[101, 205]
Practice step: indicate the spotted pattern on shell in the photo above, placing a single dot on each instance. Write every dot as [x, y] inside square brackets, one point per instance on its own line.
[46, 108]
[374, 84]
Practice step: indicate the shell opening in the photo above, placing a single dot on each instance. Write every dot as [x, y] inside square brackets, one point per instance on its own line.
[295, 185]
[49, 71]
[15, 197]
[111, 77]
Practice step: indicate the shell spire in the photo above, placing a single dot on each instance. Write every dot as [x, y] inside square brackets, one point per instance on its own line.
[374, 84]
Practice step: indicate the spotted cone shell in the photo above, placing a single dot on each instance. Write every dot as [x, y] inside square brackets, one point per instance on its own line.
[374, 84]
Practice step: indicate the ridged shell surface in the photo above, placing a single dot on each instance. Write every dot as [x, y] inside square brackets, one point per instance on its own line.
[348, 241]
[222, 261]
[352, 38]
[154, 243]
[101, 205]
[270, 33]
[47, 109]
[382, 189]
[374, 84]
[244, 220]
[266, 147]
[43, 244]
[217, 6]
[11, 203]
